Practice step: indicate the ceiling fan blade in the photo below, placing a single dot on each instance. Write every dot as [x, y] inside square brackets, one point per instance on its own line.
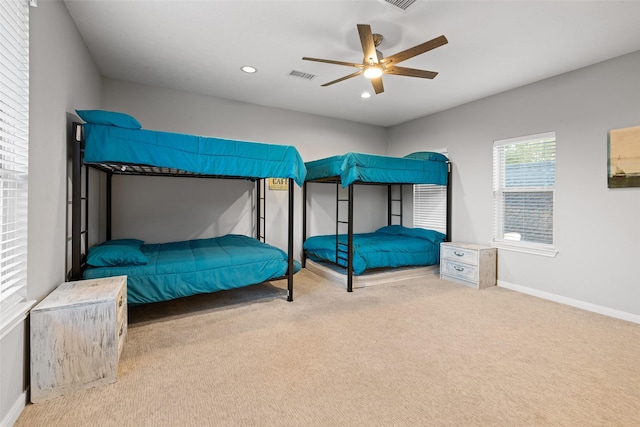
[330, 61]
[416, 50]
[410, 72]
[357, 73]
[366, 40]
[377, 85]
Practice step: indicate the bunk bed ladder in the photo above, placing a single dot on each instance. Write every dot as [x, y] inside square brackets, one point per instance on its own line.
[394, 200]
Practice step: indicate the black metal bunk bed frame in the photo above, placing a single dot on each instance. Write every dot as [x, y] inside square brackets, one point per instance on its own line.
[346, 254]
[80, 236]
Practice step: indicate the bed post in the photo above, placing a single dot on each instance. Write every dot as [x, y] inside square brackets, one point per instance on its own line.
[304, 222]
[350, 242]
[449, 167]
[389, 202]
[290, 244]
[108, 207]
[76, 202]
[258, 207]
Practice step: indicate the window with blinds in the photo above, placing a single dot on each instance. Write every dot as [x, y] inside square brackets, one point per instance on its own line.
[430, 206]
[524, 178]
[14, 138]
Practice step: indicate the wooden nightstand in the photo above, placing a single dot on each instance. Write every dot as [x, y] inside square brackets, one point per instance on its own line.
[468, 264]
[77, 335]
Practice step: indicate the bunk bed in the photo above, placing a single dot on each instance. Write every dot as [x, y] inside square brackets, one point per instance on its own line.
[390, 246]
[116, 144]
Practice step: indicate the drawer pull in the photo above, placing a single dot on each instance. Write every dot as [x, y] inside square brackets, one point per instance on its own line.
[121, 301]
[456, 253]
[121, 331]
[457, 268]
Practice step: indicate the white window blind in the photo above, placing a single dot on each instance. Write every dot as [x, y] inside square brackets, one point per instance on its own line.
[524, 177]
[14, 137]
[430, 206]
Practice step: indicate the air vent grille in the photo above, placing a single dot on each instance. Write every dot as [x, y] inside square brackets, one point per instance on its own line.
[302, 75]
[401, 4]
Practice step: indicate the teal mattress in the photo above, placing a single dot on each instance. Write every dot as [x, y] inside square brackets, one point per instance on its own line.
[388, 247]
[179, 269]
[417, 168]
[191, 153]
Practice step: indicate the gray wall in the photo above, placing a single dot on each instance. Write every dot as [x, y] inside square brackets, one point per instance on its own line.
[62, 76]
[597, 230]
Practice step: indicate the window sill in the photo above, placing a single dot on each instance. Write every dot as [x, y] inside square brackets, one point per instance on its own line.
[14, 316]
[542, 250]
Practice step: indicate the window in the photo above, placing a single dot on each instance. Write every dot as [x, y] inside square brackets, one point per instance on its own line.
[430, 206]
[14, 136]
[524, 178]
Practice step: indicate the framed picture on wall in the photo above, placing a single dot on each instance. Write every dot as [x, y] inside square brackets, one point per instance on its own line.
[624, 157]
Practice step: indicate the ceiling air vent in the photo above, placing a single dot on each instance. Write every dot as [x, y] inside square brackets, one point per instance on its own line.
[302, 75]
[400, 4]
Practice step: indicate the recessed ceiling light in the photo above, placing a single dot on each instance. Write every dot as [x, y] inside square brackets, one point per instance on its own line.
[365, 95]
[249, 69]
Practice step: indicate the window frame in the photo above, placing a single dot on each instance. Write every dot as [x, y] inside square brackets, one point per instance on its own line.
[499, 189]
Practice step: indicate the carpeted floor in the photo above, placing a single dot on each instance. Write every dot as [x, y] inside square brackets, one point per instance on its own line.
[414, 353]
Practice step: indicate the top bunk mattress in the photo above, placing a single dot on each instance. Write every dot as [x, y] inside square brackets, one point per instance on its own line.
[192, 153]
[349, 168]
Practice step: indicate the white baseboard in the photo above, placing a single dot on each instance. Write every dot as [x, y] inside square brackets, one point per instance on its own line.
[15, 411]
[618, 314]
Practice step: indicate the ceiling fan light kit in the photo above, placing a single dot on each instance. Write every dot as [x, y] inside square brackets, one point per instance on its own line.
[372, 71]
[374, 65]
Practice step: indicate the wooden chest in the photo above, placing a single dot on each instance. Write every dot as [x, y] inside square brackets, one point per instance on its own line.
[77, 335]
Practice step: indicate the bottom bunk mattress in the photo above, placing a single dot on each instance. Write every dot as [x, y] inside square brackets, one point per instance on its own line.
[387, 247]
[165, 271]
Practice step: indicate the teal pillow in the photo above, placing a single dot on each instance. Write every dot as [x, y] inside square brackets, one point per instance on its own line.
[113, 253]
[419, 233]
[427, 155]
[109, 118]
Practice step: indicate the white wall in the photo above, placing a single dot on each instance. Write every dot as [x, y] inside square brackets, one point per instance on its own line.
[167, 209]
[597, 229]
[62, 77]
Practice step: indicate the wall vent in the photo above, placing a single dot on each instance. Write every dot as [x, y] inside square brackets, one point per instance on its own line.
[400, 4]
[302, 75]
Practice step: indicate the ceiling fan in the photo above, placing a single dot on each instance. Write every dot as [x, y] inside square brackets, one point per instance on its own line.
[374, 65]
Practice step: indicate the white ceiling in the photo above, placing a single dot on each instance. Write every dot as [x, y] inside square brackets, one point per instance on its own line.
[200, 45]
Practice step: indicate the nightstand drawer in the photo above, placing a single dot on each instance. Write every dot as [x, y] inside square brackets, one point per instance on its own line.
[459, 270]
[460, 254]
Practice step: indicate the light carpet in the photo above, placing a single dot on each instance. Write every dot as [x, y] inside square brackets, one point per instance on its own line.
[420, 352]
